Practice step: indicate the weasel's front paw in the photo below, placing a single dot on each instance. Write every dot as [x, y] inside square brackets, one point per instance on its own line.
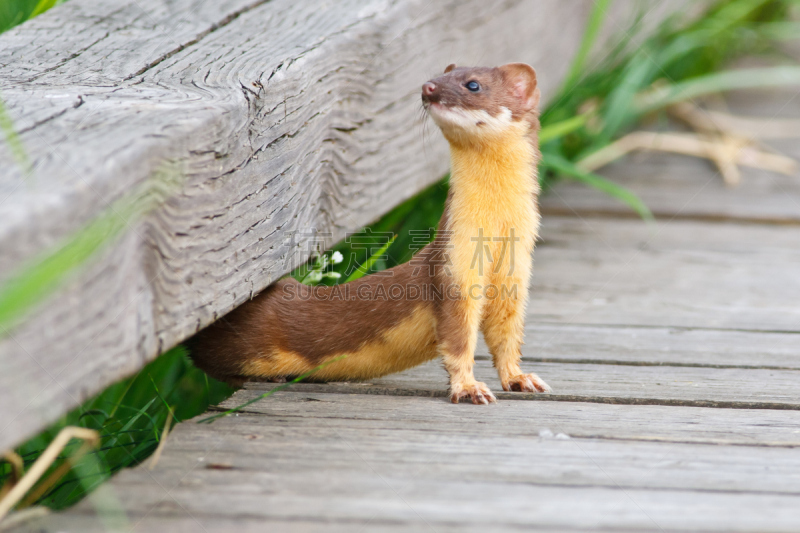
[478, 392]
[526, 383]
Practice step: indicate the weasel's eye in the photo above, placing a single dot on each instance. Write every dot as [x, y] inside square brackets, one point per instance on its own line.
[473, 86]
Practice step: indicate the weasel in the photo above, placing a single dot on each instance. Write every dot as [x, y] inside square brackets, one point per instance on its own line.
[474, 275]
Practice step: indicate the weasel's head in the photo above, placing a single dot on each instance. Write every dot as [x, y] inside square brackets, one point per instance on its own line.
[479, 104]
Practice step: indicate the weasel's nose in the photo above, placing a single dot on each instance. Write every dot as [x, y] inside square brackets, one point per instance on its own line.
[430, 93]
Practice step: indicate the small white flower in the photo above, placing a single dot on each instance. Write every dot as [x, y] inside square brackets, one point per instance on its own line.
[336, 258]
[313, 277]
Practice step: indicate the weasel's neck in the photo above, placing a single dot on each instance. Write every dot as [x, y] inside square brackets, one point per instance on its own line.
[494, 182]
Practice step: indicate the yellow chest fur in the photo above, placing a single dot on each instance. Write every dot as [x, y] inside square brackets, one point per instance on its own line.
[493, 219]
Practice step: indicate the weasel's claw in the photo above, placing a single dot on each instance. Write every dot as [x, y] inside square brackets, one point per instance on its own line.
[526, 383]
[478, 393]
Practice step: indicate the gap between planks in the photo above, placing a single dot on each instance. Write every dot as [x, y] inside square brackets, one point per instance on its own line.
[666, 326]
[617, 362]
[668, 216]
[370, 389]
[214, 27]
[277, 418]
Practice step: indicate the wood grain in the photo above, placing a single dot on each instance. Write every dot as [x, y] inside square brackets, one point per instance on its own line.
[340, 461]
[479, 455]
[584, 382]
[282, 117]
[699, 425]
[408, 505]
[682, 274]
[653, 345]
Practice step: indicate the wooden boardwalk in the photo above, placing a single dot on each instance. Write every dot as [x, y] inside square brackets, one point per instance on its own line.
[673, 350]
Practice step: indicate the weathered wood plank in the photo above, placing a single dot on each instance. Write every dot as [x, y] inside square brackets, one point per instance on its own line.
[190, 523]
[658, 346]
[334, 469]
[95, 43]
[578, 420]
[291, 117]
[496, 507]
[666, 385]
[342, 450]
[678, 274]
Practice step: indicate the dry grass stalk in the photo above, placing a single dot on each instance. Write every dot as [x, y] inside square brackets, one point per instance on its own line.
[161, 443]
[753, 128]
[17, 471]
[727, 152]
[90, 437]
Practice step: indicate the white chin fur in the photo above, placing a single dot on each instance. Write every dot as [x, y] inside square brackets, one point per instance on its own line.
[470, 121]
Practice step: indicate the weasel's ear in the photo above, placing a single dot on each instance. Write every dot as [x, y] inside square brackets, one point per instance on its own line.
[449, 67]
[521, 79]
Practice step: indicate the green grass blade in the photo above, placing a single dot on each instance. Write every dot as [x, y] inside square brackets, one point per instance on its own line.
[270, 392]
[555, 131]
[13, 141]
[590, 33]
[366, 265]
[718, 82]
[566, 167]
[637, 75]
[94, 412]
[13, 12]
[142, 411]
[42, 6]
[35, 281]
[733, 12]
[158, 393]
[121, 397]
[38, 280]
[786, 30]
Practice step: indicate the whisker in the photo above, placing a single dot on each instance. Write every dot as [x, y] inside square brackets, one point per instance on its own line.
[425, 122]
